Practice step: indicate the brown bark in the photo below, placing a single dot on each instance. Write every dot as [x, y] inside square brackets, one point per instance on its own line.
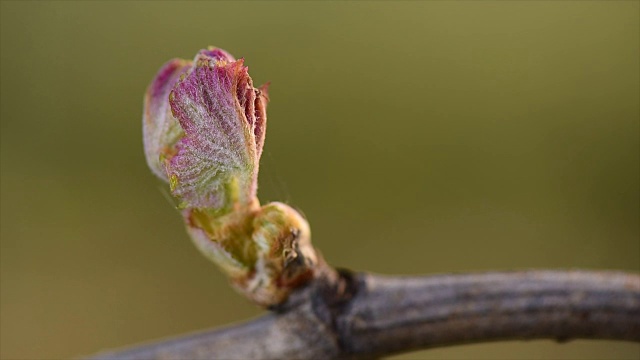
[366, 316]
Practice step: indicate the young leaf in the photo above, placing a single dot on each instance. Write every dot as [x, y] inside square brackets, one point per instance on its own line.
[224, 118]
[160, 129]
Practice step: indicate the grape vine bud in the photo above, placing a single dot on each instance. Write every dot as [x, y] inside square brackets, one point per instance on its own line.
[204, 127]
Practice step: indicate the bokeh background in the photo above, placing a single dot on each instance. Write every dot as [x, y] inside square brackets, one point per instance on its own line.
[417, 137]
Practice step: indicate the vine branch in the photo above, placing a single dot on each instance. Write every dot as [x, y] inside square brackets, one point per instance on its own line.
[361, 315]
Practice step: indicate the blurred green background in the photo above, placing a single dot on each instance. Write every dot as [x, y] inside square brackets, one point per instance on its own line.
[417, 137]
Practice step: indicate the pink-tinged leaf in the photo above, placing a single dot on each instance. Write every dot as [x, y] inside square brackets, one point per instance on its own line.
[160, 129]
[216, 54]
[223, 117]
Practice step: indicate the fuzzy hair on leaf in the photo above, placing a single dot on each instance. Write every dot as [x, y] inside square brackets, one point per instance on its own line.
[223, 117]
